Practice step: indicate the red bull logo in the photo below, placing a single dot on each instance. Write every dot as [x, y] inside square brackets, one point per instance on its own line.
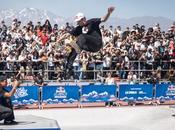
[170, 90]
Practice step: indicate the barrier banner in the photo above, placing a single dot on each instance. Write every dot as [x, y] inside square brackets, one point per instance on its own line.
[60, 94]
[136, 92]
[165, 91]
[25, 95]
[98, 93]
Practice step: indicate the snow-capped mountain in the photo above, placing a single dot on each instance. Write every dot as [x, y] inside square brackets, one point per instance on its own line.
[32, 14]
[29, 14]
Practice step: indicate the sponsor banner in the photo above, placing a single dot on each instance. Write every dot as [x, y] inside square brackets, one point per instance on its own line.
[60, 94]
[165, 91]
[25, 95]
[136, 92]
[98, 93]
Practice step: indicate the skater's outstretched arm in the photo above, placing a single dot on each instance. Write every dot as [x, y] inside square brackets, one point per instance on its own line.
[105, 18]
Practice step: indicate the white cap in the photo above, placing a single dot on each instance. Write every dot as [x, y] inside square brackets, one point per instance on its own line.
[78, 17]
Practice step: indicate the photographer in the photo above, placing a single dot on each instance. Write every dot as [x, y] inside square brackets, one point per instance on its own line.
[6, 108]
[38, 81]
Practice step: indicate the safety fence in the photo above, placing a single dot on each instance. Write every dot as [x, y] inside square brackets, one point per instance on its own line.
[77, 96]
[93, 70]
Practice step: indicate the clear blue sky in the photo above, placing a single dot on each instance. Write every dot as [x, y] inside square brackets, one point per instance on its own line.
[97, 8]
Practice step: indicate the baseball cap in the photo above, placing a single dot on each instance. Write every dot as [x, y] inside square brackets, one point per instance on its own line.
[78, 17]
[2, 78]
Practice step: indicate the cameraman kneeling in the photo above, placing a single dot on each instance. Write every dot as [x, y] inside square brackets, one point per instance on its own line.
[6, 108]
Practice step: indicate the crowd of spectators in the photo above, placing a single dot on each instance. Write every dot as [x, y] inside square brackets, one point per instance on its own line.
[136, 52]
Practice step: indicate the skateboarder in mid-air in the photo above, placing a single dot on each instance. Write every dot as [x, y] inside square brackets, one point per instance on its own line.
[88, 38]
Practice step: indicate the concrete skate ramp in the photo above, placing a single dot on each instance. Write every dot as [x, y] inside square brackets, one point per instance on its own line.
[30, 122]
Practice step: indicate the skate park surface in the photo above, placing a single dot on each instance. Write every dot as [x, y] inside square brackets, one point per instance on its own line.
[108, 118]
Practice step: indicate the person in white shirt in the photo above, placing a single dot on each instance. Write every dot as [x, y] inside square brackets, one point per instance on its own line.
[109, 79]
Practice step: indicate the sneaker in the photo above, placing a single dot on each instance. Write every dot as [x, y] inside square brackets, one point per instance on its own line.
[10, 122]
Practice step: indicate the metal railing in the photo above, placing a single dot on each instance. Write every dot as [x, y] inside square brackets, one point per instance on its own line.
[142, 69]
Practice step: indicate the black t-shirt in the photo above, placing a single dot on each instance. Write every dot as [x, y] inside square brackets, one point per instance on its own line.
[2, 91]
[39, 81]
[91, 28]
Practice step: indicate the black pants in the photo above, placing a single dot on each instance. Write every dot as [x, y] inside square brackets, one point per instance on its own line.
[5, 112]
[91, 43]
[6, 109]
